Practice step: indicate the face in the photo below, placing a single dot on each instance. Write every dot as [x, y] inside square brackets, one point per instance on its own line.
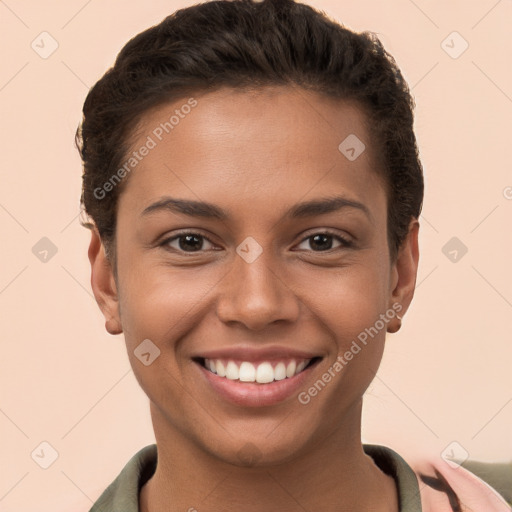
[286, 265]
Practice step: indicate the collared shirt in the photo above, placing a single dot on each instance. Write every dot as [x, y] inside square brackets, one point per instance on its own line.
[122, 495]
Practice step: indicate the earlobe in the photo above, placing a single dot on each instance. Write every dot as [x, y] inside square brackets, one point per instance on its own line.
[103, 284]
[405, 270]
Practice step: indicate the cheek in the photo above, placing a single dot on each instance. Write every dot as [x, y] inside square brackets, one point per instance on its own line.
[160, 303]
[347, 305]
[163, 307]
[348, 298]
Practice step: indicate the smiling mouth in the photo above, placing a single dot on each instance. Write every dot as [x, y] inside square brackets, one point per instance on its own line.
[263, 372]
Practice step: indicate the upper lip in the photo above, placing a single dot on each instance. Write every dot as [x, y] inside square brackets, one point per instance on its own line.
[257, 354]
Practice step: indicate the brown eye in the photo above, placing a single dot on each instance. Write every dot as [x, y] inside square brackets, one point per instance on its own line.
[323, 241]
[187, 242]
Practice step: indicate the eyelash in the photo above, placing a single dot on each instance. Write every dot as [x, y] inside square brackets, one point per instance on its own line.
[345, 243]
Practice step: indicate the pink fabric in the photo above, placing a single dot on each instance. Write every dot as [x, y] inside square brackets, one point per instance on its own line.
[474, 494]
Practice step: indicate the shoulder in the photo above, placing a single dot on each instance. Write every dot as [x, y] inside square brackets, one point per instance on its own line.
[429, 483]
[475, 486]
[122, 494]
[497, 475]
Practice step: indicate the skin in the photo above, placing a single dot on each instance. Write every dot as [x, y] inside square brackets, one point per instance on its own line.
[256, 154]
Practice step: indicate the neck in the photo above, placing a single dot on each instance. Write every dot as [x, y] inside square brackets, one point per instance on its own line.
[334, 474]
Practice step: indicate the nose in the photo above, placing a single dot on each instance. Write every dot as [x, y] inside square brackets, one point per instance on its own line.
[257, 294]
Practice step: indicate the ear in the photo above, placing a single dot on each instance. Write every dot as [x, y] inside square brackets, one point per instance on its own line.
[103, 284]
[403, 276]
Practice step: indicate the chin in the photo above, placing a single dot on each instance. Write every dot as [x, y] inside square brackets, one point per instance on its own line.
[258, 454]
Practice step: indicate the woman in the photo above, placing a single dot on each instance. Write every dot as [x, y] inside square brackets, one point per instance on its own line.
[254, 187]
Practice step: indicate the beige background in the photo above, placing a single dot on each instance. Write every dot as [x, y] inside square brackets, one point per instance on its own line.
[445, 376]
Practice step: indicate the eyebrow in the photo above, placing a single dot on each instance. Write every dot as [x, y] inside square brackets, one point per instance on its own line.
[209, 210]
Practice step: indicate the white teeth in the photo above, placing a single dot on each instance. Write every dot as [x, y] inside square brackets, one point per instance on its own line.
[232, 371]
[265, 373]
[280, 371]
[300, 367]
[262, 373]
[247, 372]
[221, 371]
[290, 369]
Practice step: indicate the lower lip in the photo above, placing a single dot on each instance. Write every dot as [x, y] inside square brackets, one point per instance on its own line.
[252, 394]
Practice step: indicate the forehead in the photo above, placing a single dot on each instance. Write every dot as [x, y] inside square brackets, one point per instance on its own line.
[277, 143]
